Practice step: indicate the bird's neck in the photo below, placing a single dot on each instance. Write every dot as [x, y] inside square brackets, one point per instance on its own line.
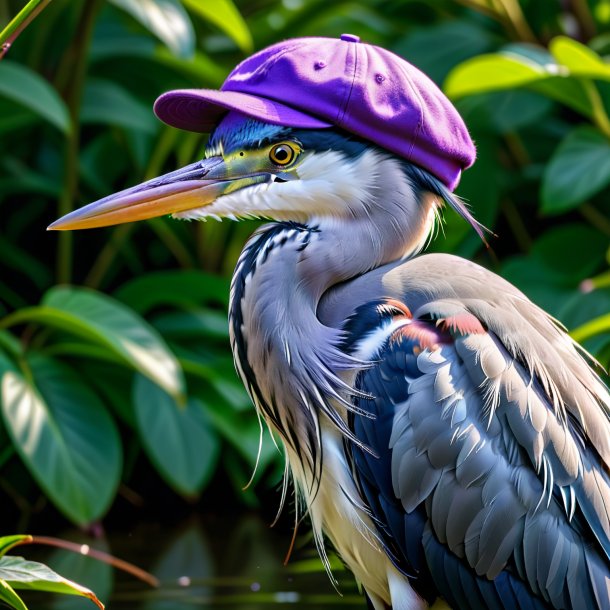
[292, 364]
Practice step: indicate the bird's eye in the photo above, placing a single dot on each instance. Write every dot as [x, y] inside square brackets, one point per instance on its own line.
[282, 154]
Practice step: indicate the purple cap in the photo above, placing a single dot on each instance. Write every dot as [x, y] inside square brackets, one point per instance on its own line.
[323, 82]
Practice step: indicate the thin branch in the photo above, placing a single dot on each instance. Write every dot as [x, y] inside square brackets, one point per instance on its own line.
[522, 237]
[600, 116]
[595, 217]
[516, 18]
[85, 549]
[27, 14]
[582, 12]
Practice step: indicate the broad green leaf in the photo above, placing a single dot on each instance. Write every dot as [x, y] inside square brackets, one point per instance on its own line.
[502, 112]
[166, 19]
[24, 86]
[579, 168]
[10, 344]
[14, 116]
[224, 14]
[103, 320]
[8, 596]
[492, 72]
[180, 442]
[23, 574]
[507, 70]
[113, 42]
[113, 385]
[579, 59]
[184, 288]
[557, 249]
[108, 103]
[63, 434]
[8, 542]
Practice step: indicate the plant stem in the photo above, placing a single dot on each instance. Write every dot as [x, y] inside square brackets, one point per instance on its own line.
[582, 12]
[516, 18]
[74, 95]
[85, 549]
[600, 117]
[19, 23]
[595, 218]
[522, 237]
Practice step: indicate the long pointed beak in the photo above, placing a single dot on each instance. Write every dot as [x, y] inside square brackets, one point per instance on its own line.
[193, 186]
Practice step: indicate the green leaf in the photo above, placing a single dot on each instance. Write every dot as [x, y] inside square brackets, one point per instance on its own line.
[8, 542]
[63, 434]
[107, 103]
[178, 288]
[579, 59]
[571, 264]
[492, 72]
[224, 14]
[180, 442]
[510, 70]
[101, 319]
[503, 112]
[579, 168]
[8, 595]
[23, 574]
[24, 86]
[166, 19]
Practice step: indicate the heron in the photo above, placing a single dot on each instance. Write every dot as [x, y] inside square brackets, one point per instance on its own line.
[444, 433]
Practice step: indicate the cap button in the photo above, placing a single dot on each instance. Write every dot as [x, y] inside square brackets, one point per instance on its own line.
[350, 38]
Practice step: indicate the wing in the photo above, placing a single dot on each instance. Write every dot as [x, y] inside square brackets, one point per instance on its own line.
[490, 483]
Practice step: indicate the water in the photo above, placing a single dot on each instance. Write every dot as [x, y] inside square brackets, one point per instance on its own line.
[202, 563]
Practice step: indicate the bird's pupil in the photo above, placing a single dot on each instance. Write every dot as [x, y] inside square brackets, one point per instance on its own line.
[281, 154]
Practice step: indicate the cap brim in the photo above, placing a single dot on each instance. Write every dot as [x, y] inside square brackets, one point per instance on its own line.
[201, 109]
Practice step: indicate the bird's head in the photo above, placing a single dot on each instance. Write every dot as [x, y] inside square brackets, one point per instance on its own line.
[253, 169]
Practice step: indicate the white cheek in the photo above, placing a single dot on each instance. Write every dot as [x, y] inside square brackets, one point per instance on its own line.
[328, 184]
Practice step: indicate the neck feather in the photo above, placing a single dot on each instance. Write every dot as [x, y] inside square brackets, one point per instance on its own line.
[290, 362]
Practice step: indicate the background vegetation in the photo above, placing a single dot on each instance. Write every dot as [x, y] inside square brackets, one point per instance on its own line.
[115, 366]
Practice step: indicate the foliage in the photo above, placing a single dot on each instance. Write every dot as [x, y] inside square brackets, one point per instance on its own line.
[18, 573]
[114, 343]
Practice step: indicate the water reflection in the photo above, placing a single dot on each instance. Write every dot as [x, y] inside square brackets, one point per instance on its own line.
[204, 563]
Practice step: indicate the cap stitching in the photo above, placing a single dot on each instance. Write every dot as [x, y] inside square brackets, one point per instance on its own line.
[343, 109]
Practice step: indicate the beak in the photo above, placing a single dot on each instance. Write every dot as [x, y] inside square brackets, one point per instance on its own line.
[193, 186]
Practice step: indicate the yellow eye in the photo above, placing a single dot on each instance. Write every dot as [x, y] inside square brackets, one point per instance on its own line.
[282, 154]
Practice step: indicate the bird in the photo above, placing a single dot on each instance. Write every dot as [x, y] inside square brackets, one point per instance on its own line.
[443, 432]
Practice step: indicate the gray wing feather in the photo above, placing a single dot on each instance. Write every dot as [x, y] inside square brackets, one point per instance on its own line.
[480, 442]
[505, 437]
